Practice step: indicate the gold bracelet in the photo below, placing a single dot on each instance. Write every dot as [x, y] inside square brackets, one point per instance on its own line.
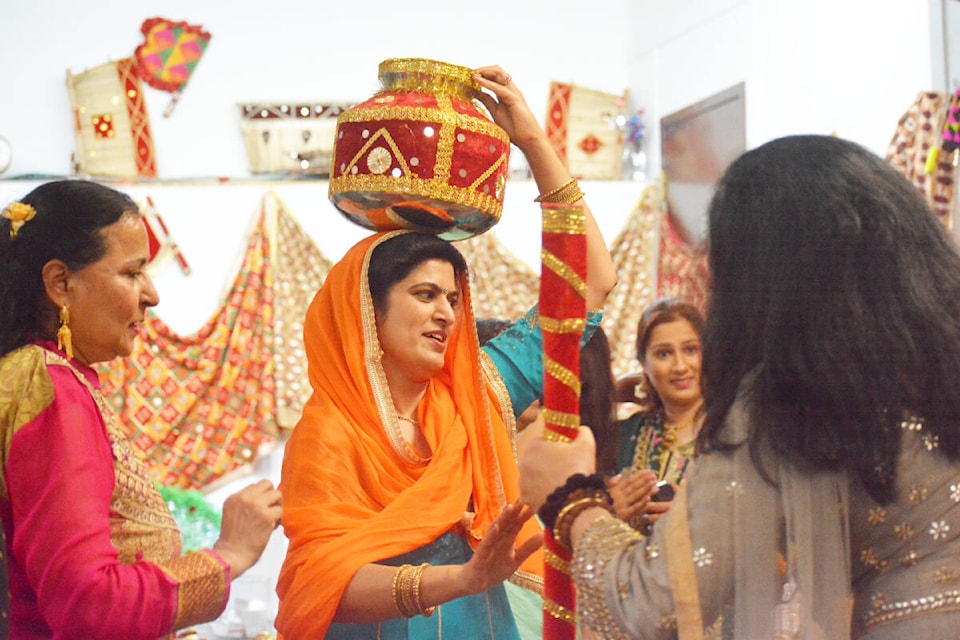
[417, 600]
[397, 588]
[568, 515]
[567, 193]
[407, 589]
[545, 197]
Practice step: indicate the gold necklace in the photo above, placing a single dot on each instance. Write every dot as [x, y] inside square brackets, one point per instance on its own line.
[406, 419]
[669, 437]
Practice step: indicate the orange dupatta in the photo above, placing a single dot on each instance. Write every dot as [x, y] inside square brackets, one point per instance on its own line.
[353, 493]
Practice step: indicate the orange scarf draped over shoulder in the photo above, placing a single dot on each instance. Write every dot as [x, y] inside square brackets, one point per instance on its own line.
[353, 491]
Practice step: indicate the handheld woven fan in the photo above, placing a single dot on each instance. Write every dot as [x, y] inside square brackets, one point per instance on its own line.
[169, 55]
[420, 155]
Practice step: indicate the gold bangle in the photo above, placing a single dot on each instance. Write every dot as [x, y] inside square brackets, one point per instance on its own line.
[571, 197]
[397, 589]
[560, 194]
[417, 600]
[568, 515]
[409, 584]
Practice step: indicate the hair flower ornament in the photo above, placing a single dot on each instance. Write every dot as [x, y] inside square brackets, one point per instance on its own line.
[18, 214]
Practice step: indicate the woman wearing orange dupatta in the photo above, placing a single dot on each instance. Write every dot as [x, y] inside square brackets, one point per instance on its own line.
[404, 455]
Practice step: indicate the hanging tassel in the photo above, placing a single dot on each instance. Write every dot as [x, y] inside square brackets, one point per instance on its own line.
[64, 337]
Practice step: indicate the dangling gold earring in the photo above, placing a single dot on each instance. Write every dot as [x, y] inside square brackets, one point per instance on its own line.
[64, 337]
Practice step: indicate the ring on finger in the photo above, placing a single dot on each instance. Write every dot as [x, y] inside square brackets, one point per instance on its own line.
[508, 79]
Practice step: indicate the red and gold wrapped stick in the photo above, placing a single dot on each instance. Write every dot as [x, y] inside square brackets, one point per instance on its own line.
[562, 319]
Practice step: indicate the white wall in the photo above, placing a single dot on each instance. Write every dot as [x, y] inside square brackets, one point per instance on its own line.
[321, 50]
[849, 67]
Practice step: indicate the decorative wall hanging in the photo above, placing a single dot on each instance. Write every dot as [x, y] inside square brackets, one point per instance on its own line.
[111, 125]
[169, 55]
[501, 285]
[299, 271]
[583, 127]
[290, 138]
[163, 247]
[420, 154]
[915, 151]
[202, 408]
[636, 257]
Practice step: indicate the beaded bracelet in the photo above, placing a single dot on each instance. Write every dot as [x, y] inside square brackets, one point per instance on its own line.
[577, 486]
[565, 519]
[567, 193]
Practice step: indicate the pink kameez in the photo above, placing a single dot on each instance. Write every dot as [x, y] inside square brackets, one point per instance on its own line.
[91, 548]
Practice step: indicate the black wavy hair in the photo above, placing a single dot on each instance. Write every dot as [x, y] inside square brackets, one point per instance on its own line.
[833, 283]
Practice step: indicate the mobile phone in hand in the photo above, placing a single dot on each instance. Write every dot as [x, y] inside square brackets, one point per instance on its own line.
[665, 492]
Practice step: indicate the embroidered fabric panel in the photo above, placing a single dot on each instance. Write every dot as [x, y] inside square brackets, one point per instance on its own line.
[201, 407]
[604, 539]
[300, 271]
[141, 526]
[649, 452]
[635, 253]
[203, 587]
[683, 268]
[905, 563]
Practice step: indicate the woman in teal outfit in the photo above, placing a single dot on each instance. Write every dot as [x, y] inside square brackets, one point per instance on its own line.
[657, 442]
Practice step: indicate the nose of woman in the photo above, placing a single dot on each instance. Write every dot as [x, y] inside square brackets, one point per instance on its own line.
[445, 312]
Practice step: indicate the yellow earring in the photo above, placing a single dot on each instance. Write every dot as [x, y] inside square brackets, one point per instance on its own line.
[64, 337]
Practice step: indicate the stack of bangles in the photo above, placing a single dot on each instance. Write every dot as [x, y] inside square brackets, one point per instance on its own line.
[567, 193]
[406, 591]
[576, 495]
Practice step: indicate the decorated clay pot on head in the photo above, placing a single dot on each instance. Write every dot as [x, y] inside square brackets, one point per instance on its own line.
[420, 154]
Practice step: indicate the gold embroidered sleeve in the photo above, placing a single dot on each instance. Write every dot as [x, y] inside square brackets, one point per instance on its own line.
[203, 587]
[603, 540]
[25, 391]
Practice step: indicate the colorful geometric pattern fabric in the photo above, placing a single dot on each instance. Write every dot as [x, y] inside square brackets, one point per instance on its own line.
[169, 53]
[636, 255]
[502, 285]
[914, 151]
[683, 268]
[201, 407]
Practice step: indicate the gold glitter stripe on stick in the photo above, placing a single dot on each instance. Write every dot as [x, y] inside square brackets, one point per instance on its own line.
[566, 377]
[557, 611]
[556, 562]
[560, 419]
[567, 325]
[564, 221]
[568, 275]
